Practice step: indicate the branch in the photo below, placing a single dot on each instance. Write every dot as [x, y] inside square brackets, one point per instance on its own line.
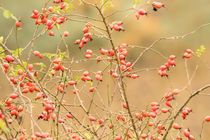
[168, 38]
[120, 72]
[181, 108]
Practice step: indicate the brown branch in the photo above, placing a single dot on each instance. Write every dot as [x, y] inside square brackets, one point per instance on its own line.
[120, 72]
[45, 91]
[181, 108]
[168, 38]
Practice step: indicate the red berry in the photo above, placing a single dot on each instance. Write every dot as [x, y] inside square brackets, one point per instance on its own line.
[100, 121]
[30, 67]
[89, 52]
[66, 33]
[125, 105]
[134, 76]
[13, 95]
[186, 133]
[140, 12]
[72, 82]
[207, 118]
[176, 126]
[51, 33]
[88, 56]
[18, 24]
[164, 110]
[92, 118]
[103, 51]
[144, 136]
[118, 138]
[69, 115]
[38, 54]
[92, 89]
[6, 65]
[85, 29]
[9, 58]
[14, 112]
[36, 12]
[157, 5]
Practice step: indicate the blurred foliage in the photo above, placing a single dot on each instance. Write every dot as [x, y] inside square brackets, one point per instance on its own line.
[7, 14]
[68, 7]
[135, 2]
[200, 51]
[107, 4]
[3, 126]
[1, 39]
[179, 17]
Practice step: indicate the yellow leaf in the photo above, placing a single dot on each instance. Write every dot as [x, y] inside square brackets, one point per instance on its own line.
[107, 4]
[1, 39]
[200, 51]
[7, 14]
[88, 136]
[135, 2]
[3, 126]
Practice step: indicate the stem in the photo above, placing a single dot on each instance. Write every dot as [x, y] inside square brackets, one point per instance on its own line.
[186, 102]
[120, 72]
[44, 90]
[202, 127]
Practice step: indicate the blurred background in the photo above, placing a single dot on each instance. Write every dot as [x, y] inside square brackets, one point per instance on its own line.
[178, 18]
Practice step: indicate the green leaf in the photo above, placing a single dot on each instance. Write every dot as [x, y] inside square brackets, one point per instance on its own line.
[90, 82]
[2, 54]
[56, 9]
[1, 104]
[49, 55]
[69, 7]
[58, 26]
[42, 65]
[15, 69]
[17, 52]
[77, 78]
[19, 67]
[62, 55]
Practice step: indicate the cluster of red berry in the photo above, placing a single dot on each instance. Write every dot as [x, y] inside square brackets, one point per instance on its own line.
[87, 36]
[142, 12]
[164, 68]
[26, 80]
[117, 26]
